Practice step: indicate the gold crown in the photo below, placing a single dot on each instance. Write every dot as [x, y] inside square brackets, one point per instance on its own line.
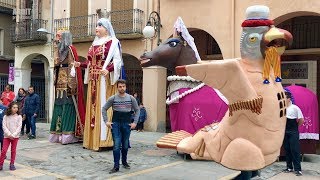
[63, 29]
[102, 13]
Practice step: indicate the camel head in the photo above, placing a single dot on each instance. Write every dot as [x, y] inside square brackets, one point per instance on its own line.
[170, 54]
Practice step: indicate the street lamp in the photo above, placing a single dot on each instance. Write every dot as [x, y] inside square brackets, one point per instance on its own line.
[43, 30]
[153, 26]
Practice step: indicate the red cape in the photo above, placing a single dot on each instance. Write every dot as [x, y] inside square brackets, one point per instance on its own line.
[80, 97]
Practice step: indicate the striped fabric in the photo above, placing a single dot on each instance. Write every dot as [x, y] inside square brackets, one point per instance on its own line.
[123, 104]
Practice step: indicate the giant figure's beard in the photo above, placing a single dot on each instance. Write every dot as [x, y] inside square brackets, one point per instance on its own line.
[63, 50]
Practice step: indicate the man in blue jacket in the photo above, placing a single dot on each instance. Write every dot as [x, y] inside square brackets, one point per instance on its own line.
[142, 118]
[30, 111]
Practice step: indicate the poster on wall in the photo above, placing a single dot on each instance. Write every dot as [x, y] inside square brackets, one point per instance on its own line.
[11, 74]
[294, 70]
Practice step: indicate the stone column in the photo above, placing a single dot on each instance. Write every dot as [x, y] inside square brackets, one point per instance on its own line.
[154, 97]
[22, 78]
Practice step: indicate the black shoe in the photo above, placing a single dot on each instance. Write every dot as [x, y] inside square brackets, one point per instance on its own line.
[298, 173]
[288, 170]
[113, 170]
[32, 137]
[126, 166]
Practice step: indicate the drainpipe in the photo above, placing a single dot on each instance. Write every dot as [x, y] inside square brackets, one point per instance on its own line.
[158, 10]
[52, 21]
[233, 28]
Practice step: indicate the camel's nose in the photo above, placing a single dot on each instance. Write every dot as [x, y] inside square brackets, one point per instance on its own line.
[144, 54]
[181, 71]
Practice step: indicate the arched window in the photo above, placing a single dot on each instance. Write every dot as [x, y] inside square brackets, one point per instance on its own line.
[305, 31]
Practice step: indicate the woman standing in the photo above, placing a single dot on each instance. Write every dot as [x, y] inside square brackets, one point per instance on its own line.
[104, 63]
[20, 101]
[7, 96]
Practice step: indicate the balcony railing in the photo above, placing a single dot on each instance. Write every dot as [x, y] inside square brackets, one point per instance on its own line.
[81, 27]
[11, 4]
[25, 33]
[305, 35]
[127, 24]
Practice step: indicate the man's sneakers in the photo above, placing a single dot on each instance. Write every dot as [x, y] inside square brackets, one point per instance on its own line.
[31, 137]
[288, 170]
[126, 166]
[298, 173]
[113, 170]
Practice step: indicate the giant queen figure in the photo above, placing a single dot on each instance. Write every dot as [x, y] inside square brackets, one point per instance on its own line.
[104, 65]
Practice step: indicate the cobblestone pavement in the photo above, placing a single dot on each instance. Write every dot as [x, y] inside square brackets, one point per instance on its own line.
[39, 159]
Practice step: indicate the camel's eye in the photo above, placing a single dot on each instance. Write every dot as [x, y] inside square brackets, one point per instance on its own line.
[253, 39]
[173, 44]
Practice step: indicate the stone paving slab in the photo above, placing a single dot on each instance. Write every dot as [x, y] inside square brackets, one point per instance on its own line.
[40, 159]
[292, 176]
[183, 170]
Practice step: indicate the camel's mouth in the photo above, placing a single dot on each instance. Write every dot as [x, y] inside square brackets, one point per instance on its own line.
[144, 60]
[278, 38]
[280, 44]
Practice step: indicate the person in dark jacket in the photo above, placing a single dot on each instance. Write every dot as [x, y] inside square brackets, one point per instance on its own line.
[135, 95]
[142, 117]
[2, 112]
[21, 96]
[30, 111]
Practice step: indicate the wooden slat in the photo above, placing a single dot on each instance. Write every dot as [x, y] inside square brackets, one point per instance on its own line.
[78, 8]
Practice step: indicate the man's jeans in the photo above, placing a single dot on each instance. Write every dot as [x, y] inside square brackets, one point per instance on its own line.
[120, 134]
[292, 148]
[32, 121]
[26, 124]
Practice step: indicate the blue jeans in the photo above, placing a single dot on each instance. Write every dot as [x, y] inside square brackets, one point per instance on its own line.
[32, 121]
[26, 124]
[121, 134]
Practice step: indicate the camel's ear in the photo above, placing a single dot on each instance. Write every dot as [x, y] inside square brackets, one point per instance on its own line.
[175, 34]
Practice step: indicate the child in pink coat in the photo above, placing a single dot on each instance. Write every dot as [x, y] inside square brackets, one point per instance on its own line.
[11, 124]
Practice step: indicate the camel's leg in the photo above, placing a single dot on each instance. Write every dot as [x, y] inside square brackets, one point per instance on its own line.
[205, 156]
[190, 144]
[242, 154]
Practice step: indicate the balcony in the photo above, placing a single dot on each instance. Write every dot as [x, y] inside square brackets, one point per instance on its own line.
[25, 33]
[11, 4]
[127, 24]
[7, 6]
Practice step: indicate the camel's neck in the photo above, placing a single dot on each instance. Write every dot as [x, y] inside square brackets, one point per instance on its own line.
[186, 57]
[252, 65]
